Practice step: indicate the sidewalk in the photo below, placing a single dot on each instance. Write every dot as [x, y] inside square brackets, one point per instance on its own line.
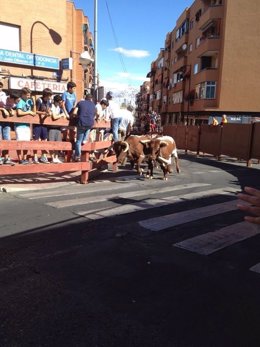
[38, 181]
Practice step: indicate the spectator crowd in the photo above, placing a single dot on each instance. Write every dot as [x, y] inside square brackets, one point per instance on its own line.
[80, 118]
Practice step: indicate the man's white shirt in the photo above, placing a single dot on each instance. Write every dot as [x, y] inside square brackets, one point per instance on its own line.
[113, 110]
[127, 118]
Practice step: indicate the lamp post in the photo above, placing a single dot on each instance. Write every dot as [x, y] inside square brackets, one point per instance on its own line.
[188, 75]
[188, 110]
[95, 49]
[56, 38]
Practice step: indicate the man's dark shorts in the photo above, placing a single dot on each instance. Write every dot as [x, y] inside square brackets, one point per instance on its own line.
[40, 133]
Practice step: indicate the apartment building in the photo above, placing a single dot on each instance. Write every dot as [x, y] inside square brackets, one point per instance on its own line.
[45, 44]
[210, 63]
[142, 100]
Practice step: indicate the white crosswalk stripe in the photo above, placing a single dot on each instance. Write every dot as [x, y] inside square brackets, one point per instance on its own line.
[255, 268]
[127, 195]
[152, 203]
[174, 219]
[216, 240]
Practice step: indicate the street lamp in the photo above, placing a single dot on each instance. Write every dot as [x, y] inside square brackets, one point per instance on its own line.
[85, 59]
[56, 38]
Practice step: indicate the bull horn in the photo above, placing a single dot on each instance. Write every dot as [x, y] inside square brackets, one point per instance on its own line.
[127, 146]
[143, 142]
[163, 160]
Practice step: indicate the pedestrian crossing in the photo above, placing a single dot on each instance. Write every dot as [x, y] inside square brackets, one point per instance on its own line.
[126, 198]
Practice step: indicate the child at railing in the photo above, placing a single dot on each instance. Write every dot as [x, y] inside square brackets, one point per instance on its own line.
[40, 132]
[22, 130]
[55, 131]
[8, 110]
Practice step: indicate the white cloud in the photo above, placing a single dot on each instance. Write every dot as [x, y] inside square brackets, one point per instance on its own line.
[132, 53]
[131, 77]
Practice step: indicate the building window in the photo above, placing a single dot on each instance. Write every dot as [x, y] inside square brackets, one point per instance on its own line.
[183, 29]
[196, 69]
[197, 42]
[198, 15]
[178, 77]
[191, 24]
[85, 33]
[177, 98]
[207, 90]
[190, 47]
[10, 37]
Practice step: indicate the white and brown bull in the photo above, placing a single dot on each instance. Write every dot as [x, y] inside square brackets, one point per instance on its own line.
[161, 150]
[132, 149]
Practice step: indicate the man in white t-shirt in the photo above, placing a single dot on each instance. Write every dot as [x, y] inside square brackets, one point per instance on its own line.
[127, 122]
[114, 112]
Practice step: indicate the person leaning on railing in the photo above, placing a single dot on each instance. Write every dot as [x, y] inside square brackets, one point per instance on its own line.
[40, 131]
[22, 130]
[7, 109]
[55, 133]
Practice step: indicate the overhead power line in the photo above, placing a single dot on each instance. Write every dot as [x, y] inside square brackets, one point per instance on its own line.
[116, 40]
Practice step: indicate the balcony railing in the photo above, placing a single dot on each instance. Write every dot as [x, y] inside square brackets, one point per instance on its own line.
[211, 13]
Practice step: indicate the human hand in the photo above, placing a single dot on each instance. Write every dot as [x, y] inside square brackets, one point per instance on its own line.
[253, 199]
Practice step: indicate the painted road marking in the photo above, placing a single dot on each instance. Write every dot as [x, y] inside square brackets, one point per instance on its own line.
[42, 195]
[155, 203]
[214, 241]
[179, 218]
[126, 195]
[255, 268]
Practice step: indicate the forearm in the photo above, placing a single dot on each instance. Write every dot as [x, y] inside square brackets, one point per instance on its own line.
[21, 113]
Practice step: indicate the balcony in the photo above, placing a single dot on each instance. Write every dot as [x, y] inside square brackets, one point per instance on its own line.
[183, 40]
[203, 104]
[179, 86]
[209, 74]
[213, 12]
[179, 64]
[208, 44]
[176, 108]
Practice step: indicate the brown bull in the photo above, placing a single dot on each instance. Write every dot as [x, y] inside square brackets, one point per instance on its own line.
[132, 149]
[160, 150]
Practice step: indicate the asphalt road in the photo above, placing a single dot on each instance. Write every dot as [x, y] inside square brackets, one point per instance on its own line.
[128, 262]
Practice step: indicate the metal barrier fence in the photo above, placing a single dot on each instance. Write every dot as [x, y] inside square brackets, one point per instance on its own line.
[240, 141]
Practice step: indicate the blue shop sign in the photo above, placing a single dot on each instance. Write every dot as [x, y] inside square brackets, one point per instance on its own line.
[23, 58]
[16, 57]
[47, 62]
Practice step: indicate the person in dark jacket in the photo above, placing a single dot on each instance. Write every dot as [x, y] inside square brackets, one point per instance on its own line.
[86, 113]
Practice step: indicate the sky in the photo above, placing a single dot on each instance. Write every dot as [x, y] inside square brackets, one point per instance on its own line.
[130, 34]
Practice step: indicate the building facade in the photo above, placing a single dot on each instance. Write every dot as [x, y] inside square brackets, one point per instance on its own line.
[41, 46]
[142, 100]
[209, 64]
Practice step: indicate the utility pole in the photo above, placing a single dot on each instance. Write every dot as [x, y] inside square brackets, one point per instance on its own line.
[95, 50]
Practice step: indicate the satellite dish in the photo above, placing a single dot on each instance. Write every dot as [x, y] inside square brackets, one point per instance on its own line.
[184, 47]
